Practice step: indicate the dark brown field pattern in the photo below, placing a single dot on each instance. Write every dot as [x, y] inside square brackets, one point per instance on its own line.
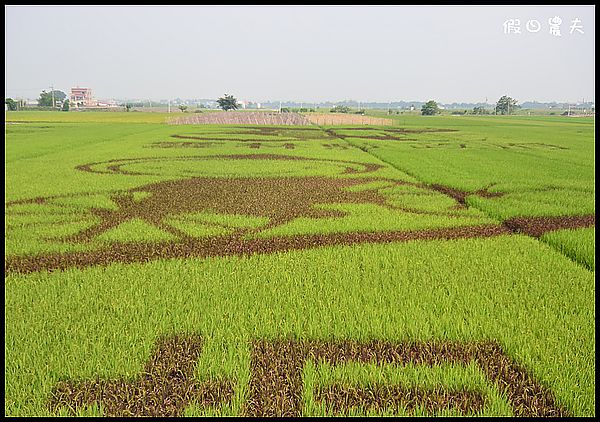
[276, 376]
[537, 226]
[165, 388]
[461, 196]
[228, 138]
[279, 199]
[167, 385]
[231, 136]
[230, 246]
[254, 145]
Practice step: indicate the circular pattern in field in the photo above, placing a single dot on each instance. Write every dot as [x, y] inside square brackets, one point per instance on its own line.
[213, 165]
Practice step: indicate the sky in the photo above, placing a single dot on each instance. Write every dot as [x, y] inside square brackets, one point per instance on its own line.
[304, 53]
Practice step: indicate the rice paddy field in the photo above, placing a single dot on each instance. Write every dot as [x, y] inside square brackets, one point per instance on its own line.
[432, 266]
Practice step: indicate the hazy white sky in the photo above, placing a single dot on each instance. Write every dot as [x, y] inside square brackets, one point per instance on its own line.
[303, 53]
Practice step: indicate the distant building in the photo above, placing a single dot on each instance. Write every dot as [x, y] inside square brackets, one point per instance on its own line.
[106, 104]
[81, 97]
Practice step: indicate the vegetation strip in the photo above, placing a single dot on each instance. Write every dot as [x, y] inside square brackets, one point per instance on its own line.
[276, 372]
[165, 388]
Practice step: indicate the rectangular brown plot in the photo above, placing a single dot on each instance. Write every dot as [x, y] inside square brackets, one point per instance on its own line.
[276, 377]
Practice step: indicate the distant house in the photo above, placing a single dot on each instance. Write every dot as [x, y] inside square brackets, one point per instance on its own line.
[81, 97]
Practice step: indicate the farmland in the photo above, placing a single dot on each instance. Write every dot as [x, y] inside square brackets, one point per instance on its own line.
[437, 265]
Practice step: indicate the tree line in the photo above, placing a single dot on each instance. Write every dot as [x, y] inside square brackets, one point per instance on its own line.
[505, 105]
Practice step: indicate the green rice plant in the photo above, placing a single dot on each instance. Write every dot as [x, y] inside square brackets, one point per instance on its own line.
[135, 230]
[227, 220]
[46, 237]
[371, 218]
[451, 377]
[578, 244]
[537, 203]
[86, 201]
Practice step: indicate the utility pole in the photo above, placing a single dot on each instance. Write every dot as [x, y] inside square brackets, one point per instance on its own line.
[53, 103]
[169, 106]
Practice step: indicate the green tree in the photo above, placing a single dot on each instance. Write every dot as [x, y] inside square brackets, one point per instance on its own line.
[340, 109]
[430, 108]
[127, 107]
[506, 105]
[65, 106]
[45, 99]
[183, 108]
[228, 102]
[12, 104]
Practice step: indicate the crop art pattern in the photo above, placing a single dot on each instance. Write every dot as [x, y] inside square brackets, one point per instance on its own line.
[173, 211]
[167, 385]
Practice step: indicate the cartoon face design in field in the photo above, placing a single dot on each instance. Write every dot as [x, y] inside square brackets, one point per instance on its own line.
[280, 200]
